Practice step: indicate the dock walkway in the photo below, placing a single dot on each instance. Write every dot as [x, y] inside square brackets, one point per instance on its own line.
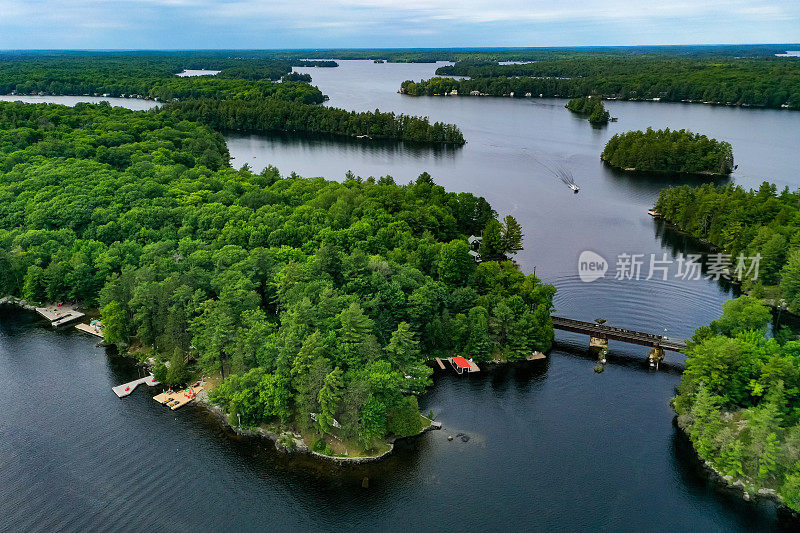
[90, 329]
[175, 400]
[59, 315]
[126, 388]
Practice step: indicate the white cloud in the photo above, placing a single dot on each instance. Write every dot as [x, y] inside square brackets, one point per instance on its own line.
[317, 22]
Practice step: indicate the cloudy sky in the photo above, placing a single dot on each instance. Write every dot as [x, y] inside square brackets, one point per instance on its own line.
[391, 23]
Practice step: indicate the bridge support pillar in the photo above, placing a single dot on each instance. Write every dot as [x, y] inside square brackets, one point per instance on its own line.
[656, 356]
[600, 345]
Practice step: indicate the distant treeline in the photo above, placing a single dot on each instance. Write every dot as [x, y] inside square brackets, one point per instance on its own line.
[767, 82]
[203, 58]
[144, 75]
[592, 107]
[666, 150]
[275, 115]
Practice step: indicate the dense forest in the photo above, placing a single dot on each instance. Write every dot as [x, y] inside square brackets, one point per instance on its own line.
[739, 400]
[310, 296]
[761, 222]
[673, 151]
[764, 81]
[272, 115]
[593, 108]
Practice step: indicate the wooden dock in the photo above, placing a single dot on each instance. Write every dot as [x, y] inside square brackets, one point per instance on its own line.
[90, 329]
[126, 388]
[473, 367]
[535, 356]
[175, 400]
[440, 363]
[59, 315]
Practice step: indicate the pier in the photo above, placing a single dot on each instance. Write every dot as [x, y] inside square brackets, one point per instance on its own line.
[91, 329]
[176, 400]
[127, 388]
[58, 315]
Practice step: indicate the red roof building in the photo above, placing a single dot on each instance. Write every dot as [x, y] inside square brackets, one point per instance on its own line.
[460, 364]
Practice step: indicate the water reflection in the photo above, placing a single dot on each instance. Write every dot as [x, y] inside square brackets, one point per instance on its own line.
[261, 150]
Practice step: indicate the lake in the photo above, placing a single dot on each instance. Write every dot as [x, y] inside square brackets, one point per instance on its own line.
[552, 446]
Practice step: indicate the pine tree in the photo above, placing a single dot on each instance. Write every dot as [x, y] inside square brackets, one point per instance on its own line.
[492, 246]
[329, 397]
[512, 235]
[403, 348]
[479, 346]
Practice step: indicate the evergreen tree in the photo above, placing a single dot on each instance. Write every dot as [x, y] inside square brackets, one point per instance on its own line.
[479, 345]
[492, 245]
[403, 348]
[329, 397]
[455, 263]
[177, 373]
[512, 235]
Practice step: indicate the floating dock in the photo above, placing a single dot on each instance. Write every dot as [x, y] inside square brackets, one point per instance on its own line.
[440, 363]
[59, 315]
[126, 388]
[90, 329]
[175, 400]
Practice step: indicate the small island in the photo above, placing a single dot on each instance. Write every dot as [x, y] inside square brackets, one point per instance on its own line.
[591, 107]
[669, 151]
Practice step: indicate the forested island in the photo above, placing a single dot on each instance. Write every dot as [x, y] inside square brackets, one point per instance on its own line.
[671, 151]
[305, 295]
[738, 400]
[762, 222]
[593, 108]
[279, 115]
[241, 97]
[756, 81]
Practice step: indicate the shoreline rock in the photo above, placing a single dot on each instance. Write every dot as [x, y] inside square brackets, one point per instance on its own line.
[748, 492]
[299, 445]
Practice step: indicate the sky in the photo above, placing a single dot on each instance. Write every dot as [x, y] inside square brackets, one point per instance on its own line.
[253, 24]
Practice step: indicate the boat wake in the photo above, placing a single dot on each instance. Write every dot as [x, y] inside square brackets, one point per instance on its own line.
[561, 173]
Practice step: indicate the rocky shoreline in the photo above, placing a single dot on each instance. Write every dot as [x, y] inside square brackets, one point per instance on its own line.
[19, 302]
[748, 492]
[281, 440]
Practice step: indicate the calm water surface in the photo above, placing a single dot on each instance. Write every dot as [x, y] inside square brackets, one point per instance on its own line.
[552, 446]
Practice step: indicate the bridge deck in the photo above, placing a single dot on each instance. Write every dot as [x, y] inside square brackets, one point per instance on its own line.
[617, 334]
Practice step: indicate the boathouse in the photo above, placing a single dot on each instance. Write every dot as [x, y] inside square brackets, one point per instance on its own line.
[463, 365]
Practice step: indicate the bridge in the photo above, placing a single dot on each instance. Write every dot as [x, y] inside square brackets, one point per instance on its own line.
[600, 334]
